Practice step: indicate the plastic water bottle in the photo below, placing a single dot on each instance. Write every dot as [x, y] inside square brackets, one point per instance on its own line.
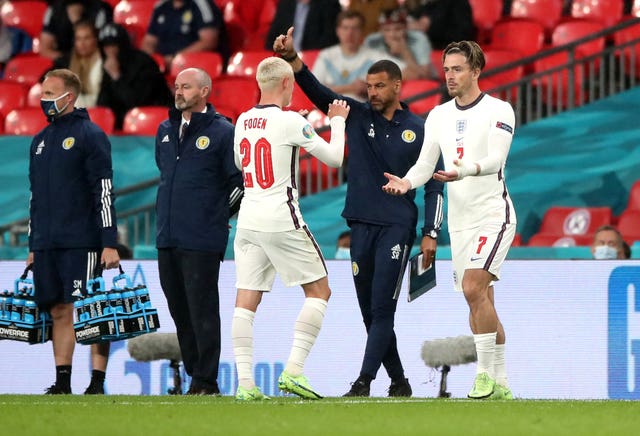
[30, 313]
[115, 300]
[90, 306]
[79, 308]
[101, 303]
[129, 300]
[17, 309]
[6, 304]
[142, 295]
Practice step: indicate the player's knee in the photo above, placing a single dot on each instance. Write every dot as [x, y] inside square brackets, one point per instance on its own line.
[62, 312]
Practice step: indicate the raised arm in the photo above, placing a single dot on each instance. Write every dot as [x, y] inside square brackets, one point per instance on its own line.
[332, 153]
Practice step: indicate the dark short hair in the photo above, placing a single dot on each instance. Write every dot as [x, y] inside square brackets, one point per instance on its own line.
[386, 66]
[470, 50]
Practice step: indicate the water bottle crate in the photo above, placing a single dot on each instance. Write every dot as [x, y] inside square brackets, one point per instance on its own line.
[37, 332]
[116, 326]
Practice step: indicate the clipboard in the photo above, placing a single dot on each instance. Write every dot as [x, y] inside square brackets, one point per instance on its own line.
[420, 280]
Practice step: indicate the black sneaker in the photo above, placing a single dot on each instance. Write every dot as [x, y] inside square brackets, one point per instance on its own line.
[400, 388]
[359, 388]
[54, 389]
[195, 390]
[94, 389]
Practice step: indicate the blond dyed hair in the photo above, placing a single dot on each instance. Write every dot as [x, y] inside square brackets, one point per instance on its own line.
[271, 71]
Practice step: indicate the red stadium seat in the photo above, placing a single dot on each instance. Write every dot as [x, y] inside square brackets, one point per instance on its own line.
[520, 34]
[498, 58]
[542, 240]
[228, 112]
[634, 197]
[574, 221]
[209, 61]
[12, 96]
[27, 69]
[630, 53]
[34, 94]
[103, 117]
[300, 101]
[411, 88]
[607, 12]
[24, 15]
[24, 121]
[546, 12]
[554, 87]
[245, 63]
[248, 23]
[629, 225]
[485, 14]
[573, 30]
[237, 93]
[144, 120]
[134, 15]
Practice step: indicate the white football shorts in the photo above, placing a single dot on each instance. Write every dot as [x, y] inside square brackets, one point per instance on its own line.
[483, 247]
[294, 254]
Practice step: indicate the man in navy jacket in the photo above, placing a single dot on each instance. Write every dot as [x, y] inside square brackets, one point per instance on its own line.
[200, 188]
[382, 135]
[72, 218]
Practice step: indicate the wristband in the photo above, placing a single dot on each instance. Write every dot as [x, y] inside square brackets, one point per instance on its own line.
[291, 59]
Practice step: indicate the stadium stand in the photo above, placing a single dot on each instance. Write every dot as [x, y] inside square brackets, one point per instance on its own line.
[607, 12]
[412, 88]
[209, 61]
[244, 63]
[485, 14]
[27, 69]
[629, 225]
[144, 120]
[103, 117]
[13, 95]
[24, 121]
[546, 12]
[522, 35]
[24, 15]
[134, 15]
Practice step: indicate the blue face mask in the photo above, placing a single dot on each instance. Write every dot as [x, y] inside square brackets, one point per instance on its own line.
[50, 106]
[343, 253]
[604, 252]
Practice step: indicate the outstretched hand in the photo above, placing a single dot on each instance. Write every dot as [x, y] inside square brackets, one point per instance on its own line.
[448, 176]
[396, 185]
[339, 108]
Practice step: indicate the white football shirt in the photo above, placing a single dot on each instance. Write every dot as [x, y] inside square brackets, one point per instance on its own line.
[479, 133]
[266, 148]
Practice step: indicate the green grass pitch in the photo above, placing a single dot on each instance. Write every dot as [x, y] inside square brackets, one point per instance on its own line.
[116, 415]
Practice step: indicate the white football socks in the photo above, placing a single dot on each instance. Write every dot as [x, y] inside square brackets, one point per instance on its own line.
[499, 366]
[305, 333]
[242, 339]
[485, 349]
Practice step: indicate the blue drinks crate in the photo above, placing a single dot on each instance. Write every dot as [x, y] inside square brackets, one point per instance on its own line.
[120, 313]
[20, 318]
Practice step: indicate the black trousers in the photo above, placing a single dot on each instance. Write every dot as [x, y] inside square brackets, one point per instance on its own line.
[189, 280]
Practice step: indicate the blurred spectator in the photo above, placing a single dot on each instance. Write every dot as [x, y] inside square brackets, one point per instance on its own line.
[371, 10]
[131, 77]
[84, 60]
[6, 44]
[410, 46]
[626, 250]
[343, 246]
[607, 244]
[314, 22]
[57, 37]
[443, 21]
[179, 26]
[343, 67]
